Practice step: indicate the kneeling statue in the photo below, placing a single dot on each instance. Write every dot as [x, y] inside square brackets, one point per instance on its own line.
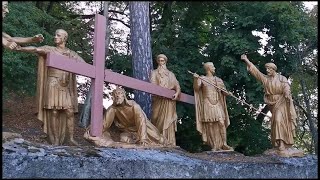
[132, 122]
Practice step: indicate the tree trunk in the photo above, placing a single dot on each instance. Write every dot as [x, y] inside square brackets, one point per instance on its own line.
[105, 14]
[314, 132]
[141, 49]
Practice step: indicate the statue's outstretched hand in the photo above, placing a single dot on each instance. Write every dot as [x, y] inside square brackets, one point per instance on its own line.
[244, 57]
[195, 75]
[38, 38]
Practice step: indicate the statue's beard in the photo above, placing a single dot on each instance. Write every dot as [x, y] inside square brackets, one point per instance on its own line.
[162, 68]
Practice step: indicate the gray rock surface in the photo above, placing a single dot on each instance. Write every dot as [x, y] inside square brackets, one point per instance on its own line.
[23, 159]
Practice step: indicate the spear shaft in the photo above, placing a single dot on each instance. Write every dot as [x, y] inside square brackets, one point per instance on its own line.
[224, 90]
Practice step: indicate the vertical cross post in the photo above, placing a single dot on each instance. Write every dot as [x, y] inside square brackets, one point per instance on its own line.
[98, 81]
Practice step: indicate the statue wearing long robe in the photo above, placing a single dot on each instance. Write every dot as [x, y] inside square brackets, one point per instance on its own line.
[133, 124]
[283, 120]
[164, 114]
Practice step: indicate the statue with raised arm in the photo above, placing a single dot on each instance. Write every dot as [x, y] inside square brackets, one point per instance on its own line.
[212, 117]
[164, 114]
[128, 117]
[13, 42]
[57, 98]
[278, 97]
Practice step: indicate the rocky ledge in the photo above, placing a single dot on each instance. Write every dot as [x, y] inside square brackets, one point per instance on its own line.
[23, 159]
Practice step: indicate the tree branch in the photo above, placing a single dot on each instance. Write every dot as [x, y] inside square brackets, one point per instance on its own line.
[119, 20]
[295, 102]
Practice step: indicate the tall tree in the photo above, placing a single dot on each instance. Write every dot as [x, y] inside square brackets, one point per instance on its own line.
[141, 49]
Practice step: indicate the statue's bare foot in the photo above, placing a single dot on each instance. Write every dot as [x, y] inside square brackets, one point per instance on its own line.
[226, 147]
[281, 147]
[73, 142]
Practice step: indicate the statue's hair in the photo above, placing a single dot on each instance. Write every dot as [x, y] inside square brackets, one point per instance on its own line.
[162, 56]
[206, 64]
[271, 65]
[117, 90]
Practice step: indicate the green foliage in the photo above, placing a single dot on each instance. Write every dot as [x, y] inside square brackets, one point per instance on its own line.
[19, 69]
[190, 33]
[26, 20]
[220, 32]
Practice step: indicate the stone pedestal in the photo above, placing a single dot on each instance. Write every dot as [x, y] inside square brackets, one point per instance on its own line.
[289, 152]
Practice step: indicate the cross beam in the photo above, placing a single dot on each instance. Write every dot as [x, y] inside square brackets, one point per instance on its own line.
[98, 75]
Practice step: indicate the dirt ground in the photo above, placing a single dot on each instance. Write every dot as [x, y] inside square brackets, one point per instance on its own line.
[19, 117]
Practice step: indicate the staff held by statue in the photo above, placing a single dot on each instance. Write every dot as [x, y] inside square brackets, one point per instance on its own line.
[224, 90]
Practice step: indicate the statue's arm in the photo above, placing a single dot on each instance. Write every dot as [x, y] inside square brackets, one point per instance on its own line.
[108, 118]
[79, 58]
[254, 70]
[153, 77]
[286, 88]
[196, 82]
[177, 88]
[23, 40]
[33, 49]
[140, 121]
[222, 86]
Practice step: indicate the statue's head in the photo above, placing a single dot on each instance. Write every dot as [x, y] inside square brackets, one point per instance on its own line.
[118, 95]
[5, 8]
[162, 59]
[271, 69]
[61, 36]
[208, 66]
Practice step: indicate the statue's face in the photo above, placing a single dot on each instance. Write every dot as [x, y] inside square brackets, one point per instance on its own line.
[118, 97]
[210, 67]
[60, 37]
[161, 61]
[5, 9]
[270, 71]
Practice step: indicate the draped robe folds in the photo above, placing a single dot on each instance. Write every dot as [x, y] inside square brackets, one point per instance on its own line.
[133, 123]
[283, 120]
[164, 115]
[52, 95]
[211, 107]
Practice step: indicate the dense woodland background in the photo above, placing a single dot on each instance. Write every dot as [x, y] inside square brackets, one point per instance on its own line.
[189, 33]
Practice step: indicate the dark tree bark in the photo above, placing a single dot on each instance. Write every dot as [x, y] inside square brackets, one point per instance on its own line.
[141, 49]
[314, 132]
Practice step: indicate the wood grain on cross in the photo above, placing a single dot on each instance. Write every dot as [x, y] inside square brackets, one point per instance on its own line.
[98, 74]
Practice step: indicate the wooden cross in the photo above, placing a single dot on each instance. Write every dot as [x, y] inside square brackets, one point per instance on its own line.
[98, 75]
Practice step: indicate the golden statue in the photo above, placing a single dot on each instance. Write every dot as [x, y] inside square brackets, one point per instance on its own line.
[278, 97]
[57, 98]
[212, 117]
[164, 115]
[13, 42]
[128, 117]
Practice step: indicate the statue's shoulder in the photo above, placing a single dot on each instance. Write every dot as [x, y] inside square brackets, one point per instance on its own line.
[282, 78]
[218, 79]
[132, 103]
[51, 48]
